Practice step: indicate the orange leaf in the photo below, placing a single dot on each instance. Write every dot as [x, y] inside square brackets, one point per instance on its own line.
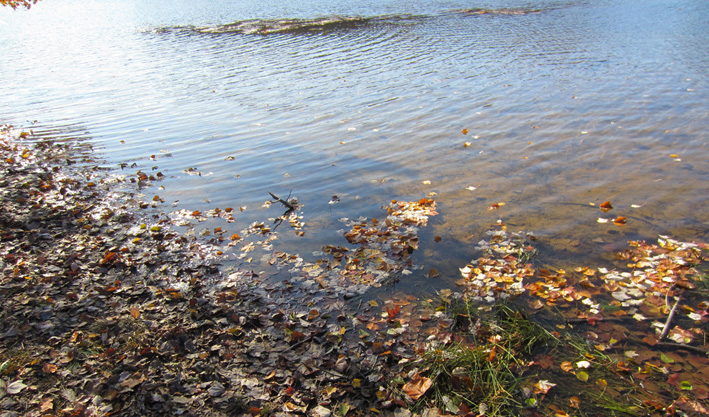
[606, 206]
[567, 366]
[49, 368]
[619, 221]
[135, 312]
[465, 131]
[109, 258]
[574, 402]
[392, 312]
[417, 387]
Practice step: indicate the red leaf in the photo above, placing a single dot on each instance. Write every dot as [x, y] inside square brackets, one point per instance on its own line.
[392, 312]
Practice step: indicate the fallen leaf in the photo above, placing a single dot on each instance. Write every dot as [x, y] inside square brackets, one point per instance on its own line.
[217, 389]
[582, 376]
[417, 387]
[606, 206]
[49, 368]
[47, 405]
[16, 387]
[619, 221]
[135, 312]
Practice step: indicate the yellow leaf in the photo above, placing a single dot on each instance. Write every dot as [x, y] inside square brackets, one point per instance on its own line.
[356, 383]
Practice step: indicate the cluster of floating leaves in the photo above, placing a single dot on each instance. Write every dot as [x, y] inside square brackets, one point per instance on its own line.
[383, 251]
[500, 272]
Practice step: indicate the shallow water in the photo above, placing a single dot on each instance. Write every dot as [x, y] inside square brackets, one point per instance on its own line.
[564, 103]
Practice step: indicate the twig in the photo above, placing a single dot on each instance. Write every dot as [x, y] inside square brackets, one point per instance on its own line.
[682, 346]
[666, 329]
[282, 201]
[608, 319]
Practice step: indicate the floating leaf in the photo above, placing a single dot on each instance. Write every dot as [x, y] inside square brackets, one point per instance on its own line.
[620, 221]
[567, 366]
[582, 376]
[606, 206]
[583, 364]
[465, 131]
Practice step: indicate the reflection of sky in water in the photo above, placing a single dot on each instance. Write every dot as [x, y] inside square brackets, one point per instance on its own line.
[582, 102]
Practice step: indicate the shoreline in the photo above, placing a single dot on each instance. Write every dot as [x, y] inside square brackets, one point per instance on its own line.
[107, 310]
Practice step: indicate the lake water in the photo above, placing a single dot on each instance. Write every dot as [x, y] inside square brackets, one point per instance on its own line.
[565, 103]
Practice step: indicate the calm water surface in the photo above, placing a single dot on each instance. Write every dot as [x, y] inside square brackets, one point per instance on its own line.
[565, 103]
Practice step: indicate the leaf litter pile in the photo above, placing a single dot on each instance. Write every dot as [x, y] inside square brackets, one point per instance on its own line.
[110, 310]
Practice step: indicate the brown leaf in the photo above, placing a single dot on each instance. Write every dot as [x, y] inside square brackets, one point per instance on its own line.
[606, 206]
[135, 380]
[574, 402]
[47, 405]
[417, 387]
[49, 368]
[135, 312]
[545, 361]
